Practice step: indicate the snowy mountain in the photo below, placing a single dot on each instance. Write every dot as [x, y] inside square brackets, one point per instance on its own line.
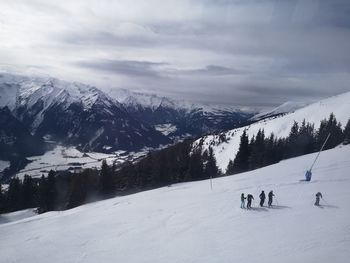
[189, 222]
[185, 118]
[74, 113]
[287, 107]
[16, 142]
[225, 145]
[15, 139]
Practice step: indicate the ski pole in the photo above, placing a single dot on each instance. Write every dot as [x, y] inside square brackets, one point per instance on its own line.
[276, 200]
[325, 201]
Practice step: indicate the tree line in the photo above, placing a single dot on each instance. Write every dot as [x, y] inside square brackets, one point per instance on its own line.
[64, 190]
[178, 163]
[261, 150]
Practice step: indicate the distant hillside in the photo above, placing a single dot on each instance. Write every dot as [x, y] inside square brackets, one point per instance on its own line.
[225, 145]
[183, 118]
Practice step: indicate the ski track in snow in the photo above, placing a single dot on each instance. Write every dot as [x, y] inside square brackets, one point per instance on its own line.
[188, 222]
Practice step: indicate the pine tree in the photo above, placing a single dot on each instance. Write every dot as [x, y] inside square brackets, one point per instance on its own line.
[42, 195]
[28, 192]
[241, 162]
[2, 200]
[211, 169]
[332, 127]
[306, 140]
[230, 168]
[81, 186]
[14, 200]
[106, 180]
[293, 148]
[51, 191]
[195, 169]
[347, 132]
[270, 148]
[47, 193]
[257, 147]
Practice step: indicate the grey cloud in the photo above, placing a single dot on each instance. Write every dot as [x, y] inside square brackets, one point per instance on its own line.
[124, 67]
[231, 51]
[209, 70]
[154, 69]
[105, 38]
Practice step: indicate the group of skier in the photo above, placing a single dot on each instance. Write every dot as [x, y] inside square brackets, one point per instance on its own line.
[262, 196]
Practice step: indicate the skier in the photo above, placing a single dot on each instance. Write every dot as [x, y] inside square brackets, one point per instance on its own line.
[262, 198]
[318, 196]
[270, 198]
[249, 203]
[243, 201]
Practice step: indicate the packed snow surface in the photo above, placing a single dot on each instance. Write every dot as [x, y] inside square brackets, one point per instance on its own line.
[189, 222]
[15, 216]
[280, 126]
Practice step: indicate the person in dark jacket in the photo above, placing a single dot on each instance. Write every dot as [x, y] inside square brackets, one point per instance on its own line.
[318, 196]
[262, 198]
[271, 195]
[242, 200]
[249, 199]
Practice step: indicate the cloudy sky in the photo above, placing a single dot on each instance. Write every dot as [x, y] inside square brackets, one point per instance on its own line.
[258, 53]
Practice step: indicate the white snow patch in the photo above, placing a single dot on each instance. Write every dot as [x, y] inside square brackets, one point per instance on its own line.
[4, 165]
[166, 129]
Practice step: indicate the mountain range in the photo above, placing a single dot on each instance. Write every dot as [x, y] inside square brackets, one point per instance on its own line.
[90, 119]
[181, 117]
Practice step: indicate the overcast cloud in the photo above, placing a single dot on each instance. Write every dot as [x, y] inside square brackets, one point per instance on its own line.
[243, 52]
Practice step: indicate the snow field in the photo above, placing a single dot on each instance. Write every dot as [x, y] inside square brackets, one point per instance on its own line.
[189, 222]
[62, 158]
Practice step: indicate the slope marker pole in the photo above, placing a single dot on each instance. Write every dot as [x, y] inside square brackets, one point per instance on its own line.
[309, 172]
[329, 134]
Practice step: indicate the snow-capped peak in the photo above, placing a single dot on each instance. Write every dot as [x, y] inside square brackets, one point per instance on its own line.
[152, 101]
[28, 91]
[287, 107]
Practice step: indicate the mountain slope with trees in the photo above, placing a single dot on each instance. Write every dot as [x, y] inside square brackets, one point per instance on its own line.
[226, 144]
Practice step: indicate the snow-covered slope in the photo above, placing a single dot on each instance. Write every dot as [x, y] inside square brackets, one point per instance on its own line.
[287, 107]
[16, 216]
[192, 223]
[280, 126]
